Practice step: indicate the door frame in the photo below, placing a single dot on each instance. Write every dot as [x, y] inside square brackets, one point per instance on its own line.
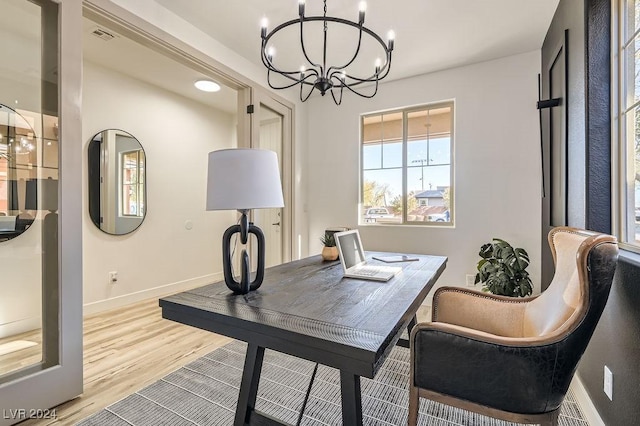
[286, 110]
[46, 386]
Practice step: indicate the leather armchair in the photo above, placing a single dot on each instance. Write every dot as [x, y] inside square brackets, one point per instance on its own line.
[512, 358]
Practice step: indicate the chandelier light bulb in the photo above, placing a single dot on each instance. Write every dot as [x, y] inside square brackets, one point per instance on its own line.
[378, 63]
[391, 36]
[301, 7]
[271, 52]
[363, 8]
[264, 22]
[343, 76]
[302, 69]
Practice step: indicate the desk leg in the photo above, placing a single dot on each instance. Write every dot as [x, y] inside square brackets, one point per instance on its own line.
[351, 399]
[249, 385]
[405, 342]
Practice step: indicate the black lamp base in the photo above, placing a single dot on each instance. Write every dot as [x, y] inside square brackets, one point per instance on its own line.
[245, 228]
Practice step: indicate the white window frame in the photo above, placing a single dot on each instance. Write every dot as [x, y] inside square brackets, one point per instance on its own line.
[623, 161]
[405, 112]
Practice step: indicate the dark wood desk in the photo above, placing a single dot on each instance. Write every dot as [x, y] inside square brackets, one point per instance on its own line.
[307, 309]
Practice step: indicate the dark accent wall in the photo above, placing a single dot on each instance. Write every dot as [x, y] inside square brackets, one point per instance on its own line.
[616, 341]
[568, 19]
[616, 344]
[598, 117]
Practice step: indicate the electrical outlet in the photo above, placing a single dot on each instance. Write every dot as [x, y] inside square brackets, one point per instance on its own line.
[608, 382]
[471, 280]
[113, 277]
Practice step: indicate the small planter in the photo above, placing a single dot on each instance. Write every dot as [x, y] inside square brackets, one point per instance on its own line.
[329, 253]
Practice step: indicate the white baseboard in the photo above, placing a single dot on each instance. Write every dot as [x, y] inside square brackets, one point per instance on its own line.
[127, 299]
[20, 326]
[582, 397]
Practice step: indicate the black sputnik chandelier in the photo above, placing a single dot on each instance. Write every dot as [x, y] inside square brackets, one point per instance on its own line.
[316, 73]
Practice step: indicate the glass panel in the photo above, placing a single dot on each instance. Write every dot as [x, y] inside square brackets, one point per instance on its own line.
[429, 194]
[372, 156]
[631, 18]
[382, 196]
[392, 155]
[632, 64]
[29, 331]
[417, 152]
[439, 151]
[634, 190]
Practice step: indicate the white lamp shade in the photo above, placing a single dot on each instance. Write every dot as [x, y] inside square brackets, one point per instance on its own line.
[243, 179]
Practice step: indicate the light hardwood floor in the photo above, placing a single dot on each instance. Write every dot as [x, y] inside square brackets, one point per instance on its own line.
[18, 359]
[129, 348]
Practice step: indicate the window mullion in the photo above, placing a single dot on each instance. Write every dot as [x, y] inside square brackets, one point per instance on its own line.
[405, 198]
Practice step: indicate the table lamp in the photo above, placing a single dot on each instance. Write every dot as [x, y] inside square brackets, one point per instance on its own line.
[243, 179]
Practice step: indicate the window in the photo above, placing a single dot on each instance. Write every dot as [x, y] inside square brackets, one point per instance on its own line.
[407, 168]
[132, 168]
[629, 121]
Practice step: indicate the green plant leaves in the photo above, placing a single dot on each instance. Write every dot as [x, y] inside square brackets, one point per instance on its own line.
[502, 269]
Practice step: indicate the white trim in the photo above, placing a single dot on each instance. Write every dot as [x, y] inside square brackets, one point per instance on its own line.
[163, 290]
[20, 326]
[586, 406]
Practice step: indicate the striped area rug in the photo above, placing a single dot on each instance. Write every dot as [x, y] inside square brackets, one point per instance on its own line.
[205, 393]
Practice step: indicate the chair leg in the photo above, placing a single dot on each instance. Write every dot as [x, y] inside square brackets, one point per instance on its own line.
[553, 421]
[414, 403]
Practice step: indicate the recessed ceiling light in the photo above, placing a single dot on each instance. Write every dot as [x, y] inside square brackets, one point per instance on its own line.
[207, 85]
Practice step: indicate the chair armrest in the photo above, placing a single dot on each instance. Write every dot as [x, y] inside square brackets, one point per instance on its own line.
[498, 315]
[486, 369]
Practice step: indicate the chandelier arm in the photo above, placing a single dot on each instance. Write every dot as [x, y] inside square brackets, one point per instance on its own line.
[304, 98]
[337, 101]
[355, 55]
[363, 95]
[304, 50]
[296, 81]
[288, 74]
[370, 79]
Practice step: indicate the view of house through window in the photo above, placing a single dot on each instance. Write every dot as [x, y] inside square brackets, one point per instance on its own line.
[407, 166]
[630, 119]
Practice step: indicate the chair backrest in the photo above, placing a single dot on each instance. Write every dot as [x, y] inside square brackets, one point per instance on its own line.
[564, 304]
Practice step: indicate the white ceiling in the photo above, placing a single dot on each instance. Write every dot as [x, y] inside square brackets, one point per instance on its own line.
[131, 58]
[431, 35]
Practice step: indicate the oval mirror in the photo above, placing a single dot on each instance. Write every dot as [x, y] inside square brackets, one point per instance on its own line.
[18, 173]
[117, 183]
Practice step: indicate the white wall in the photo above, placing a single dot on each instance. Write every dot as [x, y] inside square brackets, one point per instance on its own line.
[176, 133]
[186, 32]
[497, 163]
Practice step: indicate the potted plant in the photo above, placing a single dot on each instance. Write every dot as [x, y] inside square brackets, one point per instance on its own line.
[502, 269]
[329, 251]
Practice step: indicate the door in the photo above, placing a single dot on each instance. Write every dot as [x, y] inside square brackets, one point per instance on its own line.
[554, 145]
[271, 129]
[41, 284]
